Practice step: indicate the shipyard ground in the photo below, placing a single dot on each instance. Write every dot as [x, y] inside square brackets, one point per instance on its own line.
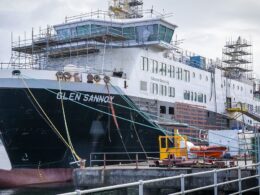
[94, 177]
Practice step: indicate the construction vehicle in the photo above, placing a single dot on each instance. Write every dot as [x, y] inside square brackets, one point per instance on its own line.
[173, 146]
[173, 151]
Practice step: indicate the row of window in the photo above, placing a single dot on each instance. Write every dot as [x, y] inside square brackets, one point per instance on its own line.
[164, 90]
[144, 33]
[165, 69]
[234, 87]
[194, 96]
[157, 89]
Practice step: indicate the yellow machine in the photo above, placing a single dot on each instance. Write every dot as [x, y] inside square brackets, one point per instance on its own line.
[173, 146]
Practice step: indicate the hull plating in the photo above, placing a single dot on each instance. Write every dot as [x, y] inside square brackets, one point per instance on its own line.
[23, 177]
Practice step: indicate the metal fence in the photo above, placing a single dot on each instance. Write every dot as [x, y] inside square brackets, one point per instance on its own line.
[104, 159]
[144, 158]
[141, 184]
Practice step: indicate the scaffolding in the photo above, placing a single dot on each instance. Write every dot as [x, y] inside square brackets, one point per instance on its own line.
[34, 52]
[123, 9]
[238, 59]
[257, 89]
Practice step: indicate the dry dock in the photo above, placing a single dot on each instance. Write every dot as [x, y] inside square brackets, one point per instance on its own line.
[176, 180]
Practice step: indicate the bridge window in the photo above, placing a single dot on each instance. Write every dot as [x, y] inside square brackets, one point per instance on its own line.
[98, 29]
[73, 32]
[162, 32]
[83, 30]
[153, 29]
[146, 33]
[64, 33]
[165, 34]
[168, 35]
[115, 30]
[129, 33]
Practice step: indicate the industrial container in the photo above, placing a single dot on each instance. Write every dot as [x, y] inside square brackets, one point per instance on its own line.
[198, 62]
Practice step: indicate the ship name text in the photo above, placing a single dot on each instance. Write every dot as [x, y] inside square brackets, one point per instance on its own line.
[84, 97]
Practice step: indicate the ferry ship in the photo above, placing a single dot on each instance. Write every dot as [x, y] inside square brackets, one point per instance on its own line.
[114, 81]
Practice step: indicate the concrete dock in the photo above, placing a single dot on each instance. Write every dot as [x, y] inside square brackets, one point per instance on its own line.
[113, 175]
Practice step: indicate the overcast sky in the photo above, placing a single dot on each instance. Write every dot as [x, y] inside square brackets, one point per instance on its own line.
[204, 25]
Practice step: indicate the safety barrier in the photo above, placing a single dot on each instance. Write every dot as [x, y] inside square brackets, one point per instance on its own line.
[141, 184]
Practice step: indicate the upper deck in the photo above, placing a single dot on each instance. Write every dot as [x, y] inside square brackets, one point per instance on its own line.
[99, 30]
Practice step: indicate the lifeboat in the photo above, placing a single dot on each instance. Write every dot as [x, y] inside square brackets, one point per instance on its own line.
[209, 151]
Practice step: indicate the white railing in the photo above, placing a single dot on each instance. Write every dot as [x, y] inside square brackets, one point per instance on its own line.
[8, 66]
[182, 178]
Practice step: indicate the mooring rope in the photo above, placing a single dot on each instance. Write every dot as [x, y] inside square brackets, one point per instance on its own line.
[65, 122]
[116, 123]
[50, 122]
[125, 119]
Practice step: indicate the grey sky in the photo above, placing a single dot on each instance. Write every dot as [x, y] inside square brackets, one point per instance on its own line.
[204, 24]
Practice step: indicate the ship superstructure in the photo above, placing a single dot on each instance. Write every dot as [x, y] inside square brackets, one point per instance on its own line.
[113, 82]
[139, 56]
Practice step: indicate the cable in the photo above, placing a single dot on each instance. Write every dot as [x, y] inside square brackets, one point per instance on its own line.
[53, 126]
[65, 123]
[116, 123]
[101, 111]
[139, 140]
[164, 131]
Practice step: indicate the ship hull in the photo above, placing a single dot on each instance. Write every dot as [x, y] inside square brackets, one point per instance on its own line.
[24, 177]
[31, 141]
[32, 117]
